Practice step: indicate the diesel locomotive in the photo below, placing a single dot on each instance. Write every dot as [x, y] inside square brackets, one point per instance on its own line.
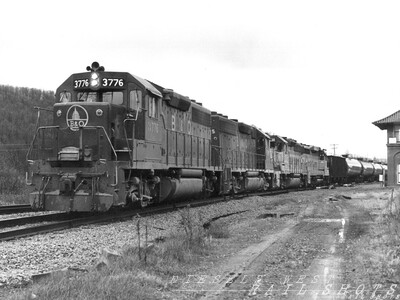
[117, 139]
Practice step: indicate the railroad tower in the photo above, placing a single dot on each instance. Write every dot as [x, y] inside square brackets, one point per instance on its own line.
[392, 125]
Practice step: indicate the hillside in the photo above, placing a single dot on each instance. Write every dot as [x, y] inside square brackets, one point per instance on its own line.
[17, 122]
[18, 114]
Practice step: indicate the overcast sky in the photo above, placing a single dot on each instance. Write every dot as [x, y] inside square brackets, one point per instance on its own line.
[317, 71]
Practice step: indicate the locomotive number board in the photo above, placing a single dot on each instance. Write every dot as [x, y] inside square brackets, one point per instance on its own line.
[112, 82]
[105, 82]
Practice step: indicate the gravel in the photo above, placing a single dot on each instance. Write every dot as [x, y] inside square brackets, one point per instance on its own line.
[79, 248]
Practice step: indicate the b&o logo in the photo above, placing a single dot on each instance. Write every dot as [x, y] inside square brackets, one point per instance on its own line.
[77, 117]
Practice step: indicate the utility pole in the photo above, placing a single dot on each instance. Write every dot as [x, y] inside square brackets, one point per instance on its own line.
[334, 146]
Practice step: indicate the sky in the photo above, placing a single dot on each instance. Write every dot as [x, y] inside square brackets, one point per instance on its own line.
[319, 72]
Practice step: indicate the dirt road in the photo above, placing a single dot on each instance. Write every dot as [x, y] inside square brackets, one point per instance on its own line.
[307, 255]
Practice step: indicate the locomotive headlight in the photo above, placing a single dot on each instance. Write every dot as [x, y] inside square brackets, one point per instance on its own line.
[94, 79]
[58, 113]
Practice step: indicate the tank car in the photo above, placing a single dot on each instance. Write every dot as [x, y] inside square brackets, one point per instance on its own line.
[344, 170]
[378, 170]
[368, 169]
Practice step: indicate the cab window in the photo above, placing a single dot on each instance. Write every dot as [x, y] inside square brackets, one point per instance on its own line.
[65, 97]
[153, 107]
[113, 97]
[87, 96]
[135, 99]
[110, 97]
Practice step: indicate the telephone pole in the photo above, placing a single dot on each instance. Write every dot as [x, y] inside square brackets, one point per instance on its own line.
[334, 146]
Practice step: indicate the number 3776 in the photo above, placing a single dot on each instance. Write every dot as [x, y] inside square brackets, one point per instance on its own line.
[113, 82]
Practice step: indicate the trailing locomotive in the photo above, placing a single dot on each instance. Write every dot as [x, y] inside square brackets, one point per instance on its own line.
[118, 139]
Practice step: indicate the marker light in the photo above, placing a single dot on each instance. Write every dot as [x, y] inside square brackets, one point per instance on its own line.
[94, 80]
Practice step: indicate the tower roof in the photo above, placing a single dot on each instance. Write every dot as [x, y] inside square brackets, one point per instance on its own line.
[385, 122]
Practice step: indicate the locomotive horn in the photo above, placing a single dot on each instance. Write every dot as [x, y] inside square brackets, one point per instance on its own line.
[95, 67]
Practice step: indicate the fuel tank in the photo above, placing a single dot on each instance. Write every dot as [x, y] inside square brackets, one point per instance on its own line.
[172, 189]
[254, 183]
[293, 182]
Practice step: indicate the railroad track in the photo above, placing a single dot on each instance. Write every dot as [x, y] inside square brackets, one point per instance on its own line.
[70, 220]
[51, 217]
[12, 209]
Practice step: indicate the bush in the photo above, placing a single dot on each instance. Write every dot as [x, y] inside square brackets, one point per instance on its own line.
[218, 231]
[12, 170]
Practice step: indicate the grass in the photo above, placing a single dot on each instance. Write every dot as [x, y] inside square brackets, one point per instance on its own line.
[376, 254]
[134, 276]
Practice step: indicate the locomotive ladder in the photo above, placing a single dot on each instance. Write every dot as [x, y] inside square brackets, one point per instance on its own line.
[128, 144]
[42, 191]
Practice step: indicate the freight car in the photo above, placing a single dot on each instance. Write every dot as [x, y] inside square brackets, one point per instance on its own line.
[378, 170]
[344, 170]
[368, 171]
[118, 139]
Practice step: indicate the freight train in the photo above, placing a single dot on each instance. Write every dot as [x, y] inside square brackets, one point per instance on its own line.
[117, 139]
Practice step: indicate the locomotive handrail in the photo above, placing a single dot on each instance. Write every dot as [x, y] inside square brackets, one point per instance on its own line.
[82, 128]
[108, 138]
[34, 138]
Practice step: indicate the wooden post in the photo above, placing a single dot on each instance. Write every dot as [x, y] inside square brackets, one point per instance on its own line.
[145, 247]
[138, 233]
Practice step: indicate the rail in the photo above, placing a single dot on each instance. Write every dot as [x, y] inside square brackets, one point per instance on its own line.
[12, 209]
[34, 219]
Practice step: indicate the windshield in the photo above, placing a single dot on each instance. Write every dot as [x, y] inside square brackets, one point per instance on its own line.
[110, 97]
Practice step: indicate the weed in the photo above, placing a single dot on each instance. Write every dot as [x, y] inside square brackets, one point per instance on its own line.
[192, 225]
[390, 261]
[218, 230]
